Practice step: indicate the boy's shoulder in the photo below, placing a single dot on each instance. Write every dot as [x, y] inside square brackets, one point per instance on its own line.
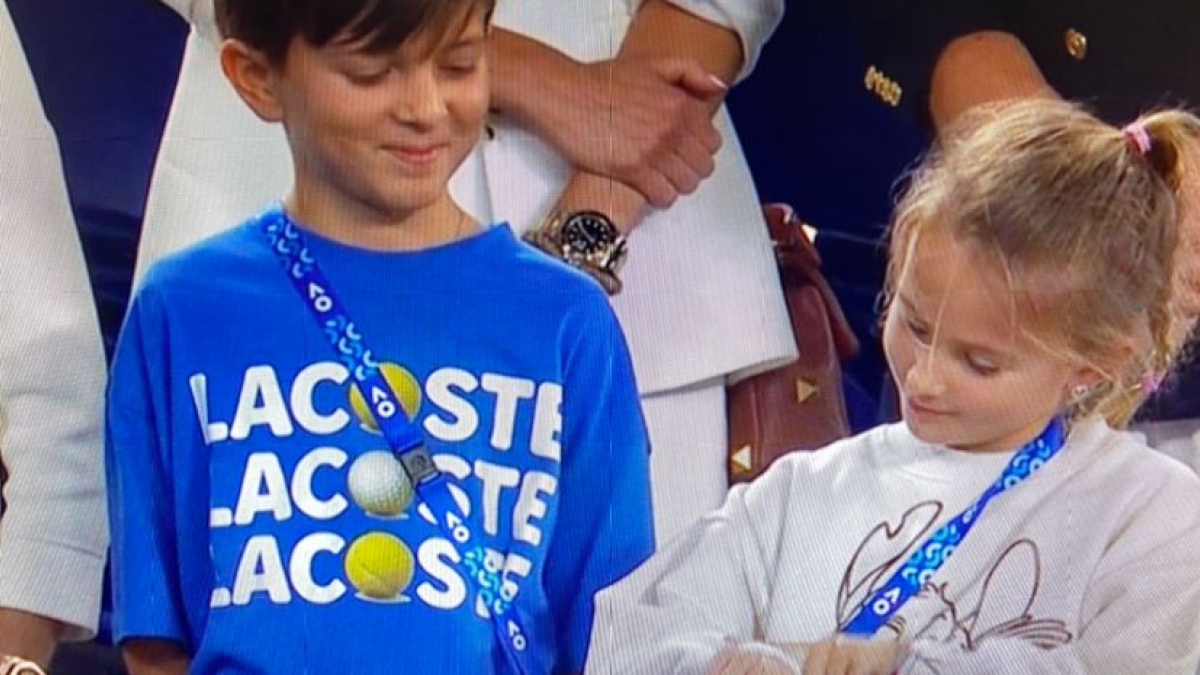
[538, 283]
[493, 267]
[232, 256]
[538, 272]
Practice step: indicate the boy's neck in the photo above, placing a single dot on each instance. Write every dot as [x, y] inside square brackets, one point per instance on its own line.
[439, 223]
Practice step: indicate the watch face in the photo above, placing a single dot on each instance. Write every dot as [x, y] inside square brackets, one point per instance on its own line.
[589, 233]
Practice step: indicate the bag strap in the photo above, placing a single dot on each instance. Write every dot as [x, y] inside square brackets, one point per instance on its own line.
[800, 264]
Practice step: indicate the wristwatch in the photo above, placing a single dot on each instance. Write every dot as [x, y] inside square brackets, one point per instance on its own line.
[15, 665]
[586, 239]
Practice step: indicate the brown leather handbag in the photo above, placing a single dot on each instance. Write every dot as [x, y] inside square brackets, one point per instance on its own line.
[799, 406]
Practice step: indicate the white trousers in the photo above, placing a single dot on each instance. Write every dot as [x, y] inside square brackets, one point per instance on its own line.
[687, 454]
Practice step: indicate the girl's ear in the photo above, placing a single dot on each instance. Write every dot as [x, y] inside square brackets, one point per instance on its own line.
[1115, 362]
[1081, 382]
[253, 77]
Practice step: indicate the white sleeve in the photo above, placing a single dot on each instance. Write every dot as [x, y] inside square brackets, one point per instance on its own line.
[53, 531]
[184, 8]
[201, 14]
[708, 588]
[1141, 612]
[753, 20]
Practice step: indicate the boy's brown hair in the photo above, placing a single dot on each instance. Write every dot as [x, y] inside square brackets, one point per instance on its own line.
[380, 26]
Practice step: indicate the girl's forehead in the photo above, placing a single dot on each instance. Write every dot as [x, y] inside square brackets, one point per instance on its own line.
[938, 263]
[963, 292]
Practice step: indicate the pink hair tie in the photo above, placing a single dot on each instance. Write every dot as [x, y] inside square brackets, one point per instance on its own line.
[1135, 133]
[1151, 382]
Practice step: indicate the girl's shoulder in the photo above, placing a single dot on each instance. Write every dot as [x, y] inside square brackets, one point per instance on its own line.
[1121, 463]
[1095, 444]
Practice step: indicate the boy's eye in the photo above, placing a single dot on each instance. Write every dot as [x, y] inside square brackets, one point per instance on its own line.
[365, 69]
[462, 62]
[462, 67]
[368, 77]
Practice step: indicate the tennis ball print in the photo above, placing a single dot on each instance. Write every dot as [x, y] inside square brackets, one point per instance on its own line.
[379, 565]
[379, 485]
[403, 384]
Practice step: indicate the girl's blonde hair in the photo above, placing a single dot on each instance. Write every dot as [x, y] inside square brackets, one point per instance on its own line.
[1084, 224]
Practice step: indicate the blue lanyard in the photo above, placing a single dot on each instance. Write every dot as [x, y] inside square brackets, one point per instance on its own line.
[930, 556]
[405, 439]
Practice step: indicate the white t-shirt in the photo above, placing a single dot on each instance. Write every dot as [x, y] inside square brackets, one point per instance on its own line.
[1092, 565]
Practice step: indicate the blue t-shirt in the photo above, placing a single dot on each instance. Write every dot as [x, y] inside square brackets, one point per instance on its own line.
[232, 436]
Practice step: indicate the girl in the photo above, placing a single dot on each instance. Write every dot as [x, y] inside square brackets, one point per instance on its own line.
[1030, 312]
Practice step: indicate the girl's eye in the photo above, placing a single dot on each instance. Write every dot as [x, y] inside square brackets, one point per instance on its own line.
[981, 367]
[919, 331]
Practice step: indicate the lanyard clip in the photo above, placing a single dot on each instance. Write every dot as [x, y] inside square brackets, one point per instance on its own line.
[418, 464]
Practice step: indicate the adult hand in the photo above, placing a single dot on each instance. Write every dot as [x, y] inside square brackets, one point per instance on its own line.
[1187, 256]
[586, 191]
[1188, 274]
[28, 636]
[643, 121]
[753, 658]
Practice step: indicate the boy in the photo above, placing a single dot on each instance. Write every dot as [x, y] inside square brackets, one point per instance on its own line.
[257, 526]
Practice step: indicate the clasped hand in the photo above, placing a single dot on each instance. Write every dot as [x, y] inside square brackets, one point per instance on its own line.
[832, 656]
[643, 121]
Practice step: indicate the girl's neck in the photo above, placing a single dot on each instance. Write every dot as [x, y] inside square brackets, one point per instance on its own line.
[1013, 442]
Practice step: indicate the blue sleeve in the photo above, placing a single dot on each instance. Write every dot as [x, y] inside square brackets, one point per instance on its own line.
[605, 526]
[147, 600]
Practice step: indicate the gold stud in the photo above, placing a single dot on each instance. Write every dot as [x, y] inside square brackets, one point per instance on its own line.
[742, 461]
[1076, 43]
[870, 78]
[804, 390]
[882, 86]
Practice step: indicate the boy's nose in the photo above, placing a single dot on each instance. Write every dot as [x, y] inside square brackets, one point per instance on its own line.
[419, 98]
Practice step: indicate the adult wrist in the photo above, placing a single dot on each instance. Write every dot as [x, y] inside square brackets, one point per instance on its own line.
[15, 665]
[585, 239]
[530, 81]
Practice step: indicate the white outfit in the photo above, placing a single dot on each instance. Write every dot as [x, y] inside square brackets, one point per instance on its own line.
[1089, 566]
[53, 531]
[702, 300]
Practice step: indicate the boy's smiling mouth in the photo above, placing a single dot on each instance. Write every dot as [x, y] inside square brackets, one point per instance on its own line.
[417, 155]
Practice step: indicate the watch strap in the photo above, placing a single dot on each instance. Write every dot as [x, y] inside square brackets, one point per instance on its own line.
[15, 665]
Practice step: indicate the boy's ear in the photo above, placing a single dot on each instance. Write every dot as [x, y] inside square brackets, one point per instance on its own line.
[253, 77]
